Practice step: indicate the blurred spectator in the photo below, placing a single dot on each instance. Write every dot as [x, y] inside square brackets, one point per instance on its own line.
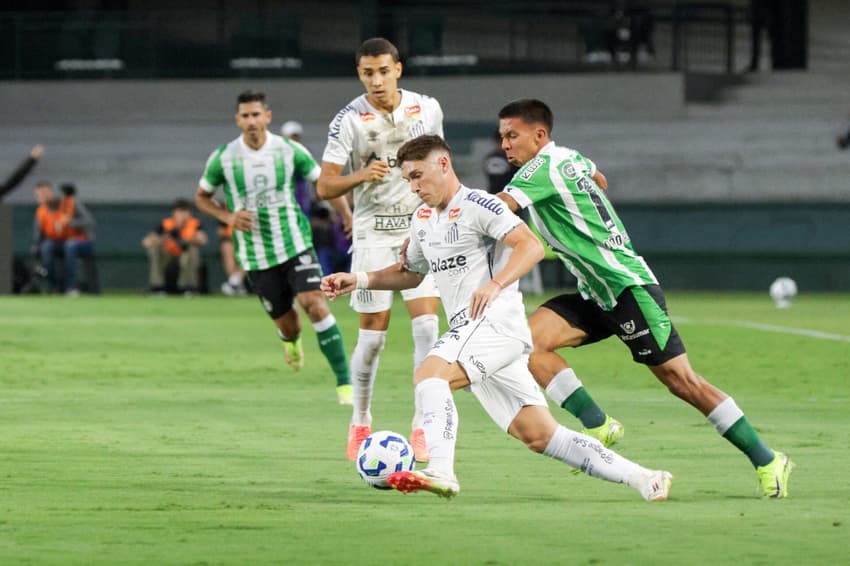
[624, 32]
[843, 142]
[303, 189]
[760, 20]
[496, 166]
[63, 227]
[234, 286]
[21, 171]
[176, 242]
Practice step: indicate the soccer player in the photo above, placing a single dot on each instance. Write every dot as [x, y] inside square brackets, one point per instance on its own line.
[271, 234]
[365, 135]
[618, 293]
[477, 251]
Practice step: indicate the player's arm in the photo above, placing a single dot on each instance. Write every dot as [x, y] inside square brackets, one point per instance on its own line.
[391, 278]
[527, 251]
[240, 220]
[341, 206]
[332, 183]
[508, 200]
[600, 180]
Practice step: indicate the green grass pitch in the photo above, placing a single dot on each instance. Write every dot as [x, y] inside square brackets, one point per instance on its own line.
[145, 431]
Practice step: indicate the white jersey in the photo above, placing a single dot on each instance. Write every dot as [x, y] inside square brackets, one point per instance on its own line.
[360, 134]
[462, 248]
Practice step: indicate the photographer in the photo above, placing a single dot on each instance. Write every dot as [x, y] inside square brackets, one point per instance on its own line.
[177, 239]
[63, 227]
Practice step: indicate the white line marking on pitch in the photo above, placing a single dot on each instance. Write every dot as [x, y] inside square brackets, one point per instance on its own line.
[770, 328]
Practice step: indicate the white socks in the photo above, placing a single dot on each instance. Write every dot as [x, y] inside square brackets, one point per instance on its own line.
[724, 415]
[364, 366]
[424, 329]
[588, 455]
[324, 324]
[564, 384]
[435, 397]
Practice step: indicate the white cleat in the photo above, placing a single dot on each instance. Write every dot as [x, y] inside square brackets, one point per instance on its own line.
[656, 486]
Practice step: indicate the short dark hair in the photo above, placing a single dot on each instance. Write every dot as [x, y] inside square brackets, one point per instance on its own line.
[530, 111]
[181, 204]
[419, 148]
[375, 46]
[251, 96]
[44, 183]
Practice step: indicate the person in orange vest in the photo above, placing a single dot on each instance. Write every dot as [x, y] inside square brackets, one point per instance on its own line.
[178, 238]
[62, 227]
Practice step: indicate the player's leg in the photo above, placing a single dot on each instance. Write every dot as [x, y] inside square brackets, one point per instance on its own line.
[374, 310]
[190, 263]
[330, 340]
[435, 380]
[655, 342]
[275, 294]
[535, 426]
[569, 320]
[422, 304]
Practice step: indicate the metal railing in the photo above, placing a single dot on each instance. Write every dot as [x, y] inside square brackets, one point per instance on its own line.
[440, 38]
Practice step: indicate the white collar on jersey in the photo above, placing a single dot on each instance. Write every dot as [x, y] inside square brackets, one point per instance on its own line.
[247, 147]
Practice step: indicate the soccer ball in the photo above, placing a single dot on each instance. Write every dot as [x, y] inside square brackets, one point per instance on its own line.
[381, 454]
[782, 291]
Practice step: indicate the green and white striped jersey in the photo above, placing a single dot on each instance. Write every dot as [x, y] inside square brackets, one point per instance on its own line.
[575, 217]
[262, 181]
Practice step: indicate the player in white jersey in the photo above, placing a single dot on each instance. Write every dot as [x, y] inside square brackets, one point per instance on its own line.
[477, 251]
[365, 136]
[272, 237]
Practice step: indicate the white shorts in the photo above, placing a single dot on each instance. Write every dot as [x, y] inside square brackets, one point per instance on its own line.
[373, 259]
[496, 365]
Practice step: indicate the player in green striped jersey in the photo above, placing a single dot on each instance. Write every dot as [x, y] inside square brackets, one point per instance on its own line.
[272, 236]
[618, 293]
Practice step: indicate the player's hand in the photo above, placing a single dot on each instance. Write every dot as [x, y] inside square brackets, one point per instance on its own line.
[402, 256]
[376, 171]
[482, 298]
[241, 220]
[337, 284]
[37, 151]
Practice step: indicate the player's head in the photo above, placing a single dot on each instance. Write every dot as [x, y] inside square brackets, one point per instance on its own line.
[379, 69]
[44, 192]
[252, 114]
[525, 126]
[292, 130]
[426, 162]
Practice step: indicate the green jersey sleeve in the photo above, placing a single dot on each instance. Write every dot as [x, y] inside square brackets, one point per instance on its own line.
[532, 183]
[303, 162]
[213, 176]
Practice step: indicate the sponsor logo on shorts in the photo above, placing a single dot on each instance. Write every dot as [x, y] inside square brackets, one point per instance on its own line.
[628, 327]
[635, 336]
[313, 279]
[423, 213]
[479, 365]
[392, 222]
[645, 352]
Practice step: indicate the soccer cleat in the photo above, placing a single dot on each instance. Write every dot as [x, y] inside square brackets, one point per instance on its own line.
[608, 433]
[430, 480]
[420, 447]
[773, 478]
[293, 353]
[344, 394]
[656, 485]
[356, 435]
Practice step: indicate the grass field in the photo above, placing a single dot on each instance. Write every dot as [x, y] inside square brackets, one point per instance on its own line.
[144, 431]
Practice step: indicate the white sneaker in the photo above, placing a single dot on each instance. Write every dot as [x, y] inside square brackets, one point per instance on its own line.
[656, 486]
[431, 480]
